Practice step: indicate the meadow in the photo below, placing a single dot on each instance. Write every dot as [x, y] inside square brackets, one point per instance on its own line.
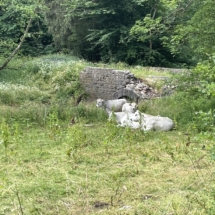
[51, 166]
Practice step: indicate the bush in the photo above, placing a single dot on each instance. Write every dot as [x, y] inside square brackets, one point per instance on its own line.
[180, 107]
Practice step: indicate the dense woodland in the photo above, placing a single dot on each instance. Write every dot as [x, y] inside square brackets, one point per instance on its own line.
[170, 33]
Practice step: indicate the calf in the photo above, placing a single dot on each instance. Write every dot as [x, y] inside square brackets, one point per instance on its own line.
[126, 119]
[129, 107]
[131, 120]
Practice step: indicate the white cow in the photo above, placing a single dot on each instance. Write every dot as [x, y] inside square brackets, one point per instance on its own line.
[111, 105]
[117, 116]
[146, 122]
[156, 123]
[130, 107]
[130, 124]
[132, 120]
[124, 119]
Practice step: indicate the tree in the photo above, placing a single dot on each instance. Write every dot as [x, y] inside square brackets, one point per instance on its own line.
[101, 30]
[97, 30]
[147, 32]
[14, 17]
[158, 28]
[201, 29]
[200, 32]
[68, 26]
[18, 47]
[191, 32]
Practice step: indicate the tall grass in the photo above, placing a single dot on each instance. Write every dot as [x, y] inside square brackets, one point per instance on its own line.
[102, 169]
[179, 106]
[58, 157]
[42, 85]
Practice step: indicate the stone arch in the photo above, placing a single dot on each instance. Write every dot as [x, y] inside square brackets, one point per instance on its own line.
[126, 93]
[113, 84]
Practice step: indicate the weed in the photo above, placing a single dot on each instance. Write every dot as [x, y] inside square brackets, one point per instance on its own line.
[75, 140]
[53, 122]
[204, 121]
[5, 135]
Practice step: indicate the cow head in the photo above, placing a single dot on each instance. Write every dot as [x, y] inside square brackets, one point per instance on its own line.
[100, 103]
[136, 116]
[134, 107]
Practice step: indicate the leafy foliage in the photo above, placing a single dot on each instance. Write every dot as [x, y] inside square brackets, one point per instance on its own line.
[193, 35]
[101, 30]
[144, 32]
[200, 29]
[196, 87]
[13, 20]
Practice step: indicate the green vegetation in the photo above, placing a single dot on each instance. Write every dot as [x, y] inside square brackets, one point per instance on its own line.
[173, 33]
[104, 169]
[58, 157]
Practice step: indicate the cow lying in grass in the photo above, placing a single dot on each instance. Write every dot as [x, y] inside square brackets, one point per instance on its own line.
[111, 105]
[125, 118]
[143, 121]
[128, 111]
[126, 114]
[132, 120]
[156, 123]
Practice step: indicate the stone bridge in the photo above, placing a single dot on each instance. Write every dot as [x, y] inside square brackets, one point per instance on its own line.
[113, 84]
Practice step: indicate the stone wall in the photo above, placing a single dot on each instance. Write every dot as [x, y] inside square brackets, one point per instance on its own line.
[112, 84]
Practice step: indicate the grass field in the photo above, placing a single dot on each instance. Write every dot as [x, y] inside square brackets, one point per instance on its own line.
[102, 169]
[49, 166]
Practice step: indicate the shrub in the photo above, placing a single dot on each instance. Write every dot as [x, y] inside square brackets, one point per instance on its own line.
[180, 106]
[16, 94]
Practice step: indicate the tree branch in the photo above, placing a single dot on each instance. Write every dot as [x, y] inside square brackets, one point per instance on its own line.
[18, 47]
[179, 10]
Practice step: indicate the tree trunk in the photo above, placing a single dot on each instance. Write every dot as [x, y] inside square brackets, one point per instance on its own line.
[18, 47]
[150, 32]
